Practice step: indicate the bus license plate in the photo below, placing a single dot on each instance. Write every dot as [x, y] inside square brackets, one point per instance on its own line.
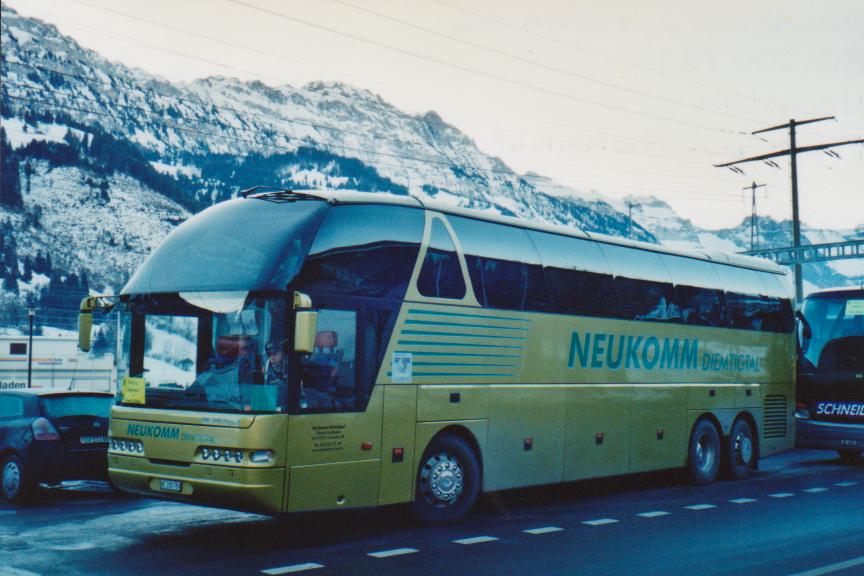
[170, 485]
[94, 439]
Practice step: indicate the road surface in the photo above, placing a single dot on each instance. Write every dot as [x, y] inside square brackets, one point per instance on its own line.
[801, 513]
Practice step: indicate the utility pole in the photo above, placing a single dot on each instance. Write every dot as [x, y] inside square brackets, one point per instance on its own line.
[754, 228]
[31, 313]
[630, 219]
[793, 152]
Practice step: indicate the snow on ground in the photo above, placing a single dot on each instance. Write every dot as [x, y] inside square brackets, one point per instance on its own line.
[59, 332]
[552, 188]
[711, 241]
[112, 531]
[20, 133]
[109, 239]
[20, 35]
[850, 268]
[147, 140]
[316, 179]
[174, 169]
[654, 216]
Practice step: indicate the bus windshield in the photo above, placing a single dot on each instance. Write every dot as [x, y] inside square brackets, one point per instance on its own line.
[832, 334]
[210, 351]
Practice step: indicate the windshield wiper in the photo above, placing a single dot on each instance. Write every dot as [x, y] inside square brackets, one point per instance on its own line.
[276, 194]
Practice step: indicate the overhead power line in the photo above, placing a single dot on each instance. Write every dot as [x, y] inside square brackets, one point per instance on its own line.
[793, 152]
[605, 56]
[541, 65]
[474, 71]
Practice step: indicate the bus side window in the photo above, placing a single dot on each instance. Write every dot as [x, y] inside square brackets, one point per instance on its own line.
[698, 290]
[642, 284]
[441, 275]
[328, 380]
[506, 272]
[340, 374]
[578, 275]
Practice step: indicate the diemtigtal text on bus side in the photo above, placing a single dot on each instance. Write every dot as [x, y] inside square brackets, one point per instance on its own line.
[286, 352]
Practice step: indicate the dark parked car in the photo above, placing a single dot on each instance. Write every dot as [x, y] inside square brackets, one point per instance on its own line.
[50, 436]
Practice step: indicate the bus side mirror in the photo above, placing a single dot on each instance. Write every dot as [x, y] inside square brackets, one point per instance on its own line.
[85, 325]
[806, 332]
[85, 317]
[305, 330]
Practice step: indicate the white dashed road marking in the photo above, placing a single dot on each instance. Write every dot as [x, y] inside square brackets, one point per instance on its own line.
[475, 540]
[833, 567]
[394, 552]
[743, 500]
[600, 522]
[654, 514]
[782, 495]
[700, 507]
[845, 484]
[292, 569]
[543, 530]
[815, 490]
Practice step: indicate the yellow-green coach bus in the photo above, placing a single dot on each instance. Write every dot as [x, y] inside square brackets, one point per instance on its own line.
[291, 351]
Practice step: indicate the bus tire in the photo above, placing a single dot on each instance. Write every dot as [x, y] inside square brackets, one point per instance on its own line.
[849, 456]
[15, 481]
[740, 450]
[448, 481]
[703, 454]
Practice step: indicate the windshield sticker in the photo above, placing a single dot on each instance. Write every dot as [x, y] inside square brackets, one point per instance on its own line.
[134, 390]
[854, 308]
[402, 367]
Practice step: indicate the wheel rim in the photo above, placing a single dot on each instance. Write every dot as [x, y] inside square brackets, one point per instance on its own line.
[705, 453]
[11, 478]
[743, 448]
[442, 480]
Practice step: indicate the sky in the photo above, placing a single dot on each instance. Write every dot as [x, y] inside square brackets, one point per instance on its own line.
[619, 97]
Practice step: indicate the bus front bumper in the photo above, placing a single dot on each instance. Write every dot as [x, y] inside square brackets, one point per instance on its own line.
[828, 435]
[250, 489]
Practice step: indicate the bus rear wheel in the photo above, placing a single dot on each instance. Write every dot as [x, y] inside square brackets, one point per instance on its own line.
[740, 450]
[448, 481]
[703, 456]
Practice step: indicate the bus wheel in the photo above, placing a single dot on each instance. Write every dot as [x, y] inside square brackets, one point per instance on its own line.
[15, 483]
[739, 450]
[849, 456]
[448, 481]
[703, 457]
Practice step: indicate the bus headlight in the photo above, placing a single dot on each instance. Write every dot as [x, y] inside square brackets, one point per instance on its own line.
[126, 446]
[261, 456]
[223, 454]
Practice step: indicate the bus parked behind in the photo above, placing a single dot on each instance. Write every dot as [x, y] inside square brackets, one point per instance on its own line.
[830, 397]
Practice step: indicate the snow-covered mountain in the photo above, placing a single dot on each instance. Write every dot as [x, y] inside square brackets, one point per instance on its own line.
[101, 161]
[658, 217]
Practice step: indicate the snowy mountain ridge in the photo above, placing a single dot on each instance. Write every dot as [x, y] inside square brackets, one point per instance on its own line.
[101, 161]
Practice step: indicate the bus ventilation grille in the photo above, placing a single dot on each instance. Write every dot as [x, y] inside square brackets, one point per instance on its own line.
[776, 416]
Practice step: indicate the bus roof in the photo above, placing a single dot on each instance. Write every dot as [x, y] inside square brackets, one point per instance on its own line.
[837, 291]
[357, 197]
